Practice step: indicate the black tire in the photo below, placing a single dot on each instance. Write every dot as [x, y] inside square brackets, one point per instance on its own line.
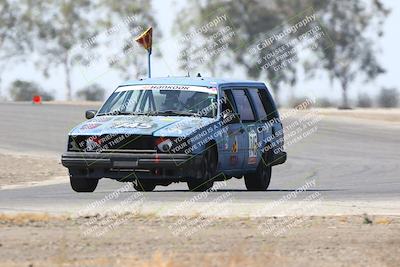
[206, 173]
[259, 181]
[144, 186]
[82, 184]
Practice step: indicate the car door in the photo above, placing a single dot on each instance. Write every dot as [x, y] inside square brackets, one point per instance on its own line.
[273, 129]
[249, 125]
[234, 141]
[262, 129]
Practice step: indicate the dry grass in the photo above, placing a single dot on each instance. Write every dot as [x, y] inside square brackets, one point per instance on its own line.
[233, 259]
[25, 218]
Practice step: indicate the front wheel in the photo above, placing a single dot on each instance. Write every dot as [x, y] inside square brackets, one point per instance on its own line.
[82, 184]
[206, 172]
[144, 186]
[260, 180]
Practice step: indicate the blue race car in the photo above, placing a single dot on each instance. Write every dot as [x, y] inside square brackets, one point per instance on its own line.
[158, 131]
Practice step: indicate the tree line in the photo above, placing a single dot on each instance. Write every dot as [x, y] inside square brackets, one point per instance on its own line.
[222, 34]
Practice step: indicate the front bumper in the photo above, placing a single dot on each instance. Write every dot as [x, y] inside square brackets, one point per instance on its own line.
[143, 165]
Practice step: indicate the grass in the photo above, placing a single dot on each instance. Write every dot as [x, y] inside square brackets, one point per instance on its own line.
[24, 218]
[367, 220]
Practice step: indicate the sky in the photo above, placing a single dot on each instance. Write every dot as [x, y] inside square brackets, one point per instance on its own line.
[167, 64]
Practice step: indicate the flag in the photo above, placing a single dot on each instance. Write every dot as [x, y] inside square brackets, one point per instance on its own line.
[145, 39]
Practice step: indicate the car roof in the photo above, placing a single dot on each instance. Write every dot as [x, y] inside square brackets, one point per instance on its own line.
[194, 81]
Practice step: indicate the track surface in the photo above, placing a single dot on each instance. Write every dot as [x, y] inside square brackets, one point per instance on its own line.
[350, 160]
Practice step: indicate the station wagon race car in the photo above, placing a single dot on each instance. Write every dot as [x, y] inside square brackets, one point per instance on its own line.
[157, 131]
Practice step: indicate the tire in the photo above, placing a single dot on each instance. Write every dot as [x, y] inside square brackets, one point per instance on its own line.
[206, 173]
[81, 184]
[144, 186]
[259, 181]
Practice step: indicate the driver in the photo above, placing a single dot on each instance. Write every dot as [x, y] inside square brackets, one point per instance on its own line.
[171, 101]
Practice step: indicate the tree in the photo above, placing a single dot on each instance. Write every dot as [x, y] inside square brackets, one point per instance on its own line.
[71, 35]
[351, 27]
[25, 90]
[91, 93]
[364, 101]
[388, 98]
[137, 16]
[346, 52]
[63, 25]
[15, 32]
[249, 22]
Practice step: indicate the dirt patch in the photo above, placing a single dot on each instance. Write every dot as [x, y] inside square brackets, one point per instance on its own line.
[26, 169]
[149, 241]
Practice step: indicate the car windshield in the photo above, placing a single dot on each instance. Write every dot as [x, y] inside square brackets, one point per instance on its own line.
[163, 100]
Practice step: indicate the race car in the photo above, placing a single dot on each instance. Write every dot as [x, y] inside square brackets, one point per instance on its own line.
[197, 130]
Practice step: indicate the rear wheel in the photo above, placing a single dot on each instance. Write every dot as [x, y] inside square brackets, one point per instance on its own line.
[259, 181]
[82, 184]
[144, 186]
[206, 172]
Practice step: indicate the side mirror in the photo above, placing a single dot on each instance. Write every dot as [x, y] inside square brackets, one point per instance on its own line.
[90, 114]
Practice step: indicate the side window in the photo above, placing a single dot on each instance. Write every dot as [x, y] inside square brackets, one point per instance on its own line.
[256, 97]
[243, 105]
[228, 104]
[268, 104]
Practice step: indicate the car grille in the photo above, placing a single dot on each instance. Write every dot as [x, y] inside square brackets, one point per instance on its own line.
[111, 142]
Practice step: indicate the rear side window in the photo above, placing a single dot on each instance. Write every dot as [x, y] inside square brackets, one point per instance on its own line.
[243, 105]
[256, 97]
[268, 104]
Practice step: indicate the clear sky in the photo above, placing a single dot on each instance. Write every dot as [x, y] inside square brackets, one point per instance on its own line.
[166, 11]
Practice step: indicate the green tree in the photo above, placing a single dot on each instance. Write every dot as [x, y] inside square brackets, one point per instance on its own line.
[62, 26]
[25, 90]
[138, 16]
[346, 52]
[388, 98]
[15, 33]
[352, 27]
[92, 92]
[251, 21]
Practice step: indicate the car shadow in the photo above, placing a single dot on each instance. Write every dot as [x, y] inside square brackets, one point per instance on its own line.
[244, 190]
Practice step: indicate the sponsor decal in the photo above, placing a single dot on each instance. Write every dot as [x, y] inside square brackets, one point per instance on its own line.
[89, 126]
[252, 147]
[169, 87]
[226, 142]
[233, 160]
[235, 146]
[179, 128]
[167, 119]
[135, 125]
[101, 119]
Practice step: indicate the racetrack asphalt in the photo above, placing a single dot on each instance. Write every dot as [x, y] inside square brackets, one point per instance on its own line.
[350, 160]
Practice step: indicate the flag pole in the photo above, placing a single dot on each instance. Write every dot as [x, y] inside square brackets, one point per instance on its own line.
[148, 62]
[146, 40]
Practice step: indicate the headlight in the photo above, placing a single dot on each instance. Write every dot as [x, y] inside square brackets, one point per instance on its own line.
[164, 145]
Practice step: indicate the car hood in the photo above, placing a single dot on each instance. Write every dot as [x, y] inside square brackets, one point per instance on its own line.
[173, 126]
